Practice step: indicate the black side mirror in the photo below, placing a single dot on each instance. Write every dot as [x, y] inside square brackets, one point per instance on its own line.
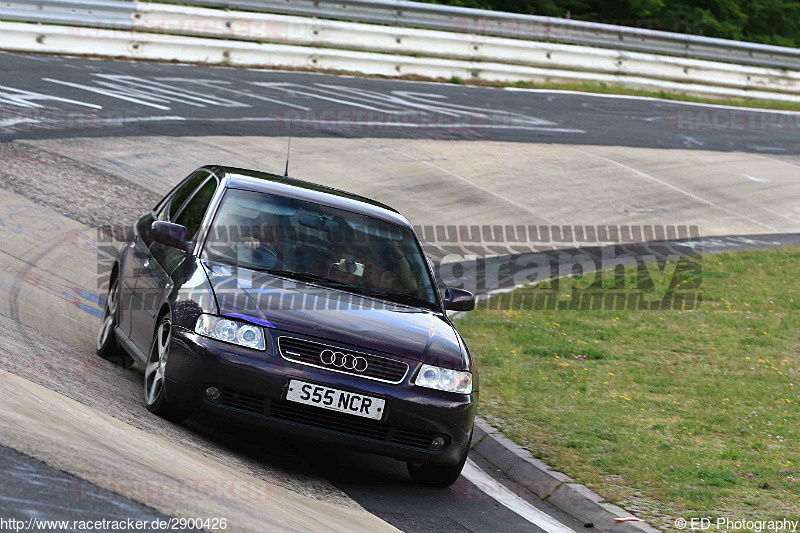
[458, 300]
[169, 234]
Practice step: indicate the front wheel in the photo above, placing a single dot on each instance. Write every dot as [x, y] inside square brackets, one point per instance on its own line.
[107, 346]
[438, 475]
[155, 398]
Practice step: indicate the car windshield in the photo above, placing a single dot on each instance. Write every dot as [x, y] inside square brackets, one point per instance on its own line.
[324, 245]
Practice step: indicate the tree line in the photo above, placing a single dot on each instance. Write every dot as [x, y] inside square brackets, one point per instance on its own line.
[761, 21]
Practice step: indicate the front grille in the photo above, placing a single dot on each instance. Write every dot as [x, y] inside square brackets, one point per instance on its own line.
[349, 424]
[320, 418]
[308, 353]
[412, 438]
[243, 401]
[324, 419]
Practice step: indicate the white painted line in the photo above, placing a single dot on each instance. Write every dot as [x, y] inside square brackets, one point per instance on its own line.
[648, 176]
[108, 93]
[217, 85]
[678, 189]
[652, 99]
[508, 499]
[171, 93]
[379, 123]
[471, 183]
[762, 156]
[753, 178]
[289, 88]
[125, 120]
[326, 123]
[22, 98]
[13, 121]
[77, 322]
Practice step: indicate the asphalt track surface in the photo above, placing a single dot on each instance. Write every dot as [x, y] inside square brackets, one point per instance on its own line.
[33, 491]
[48, 97]
[52, 97]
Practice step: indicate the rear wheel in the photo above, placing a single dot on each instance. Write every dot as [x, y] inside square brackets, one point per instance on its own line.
[437, 474]
[107, 346]
[155, 398]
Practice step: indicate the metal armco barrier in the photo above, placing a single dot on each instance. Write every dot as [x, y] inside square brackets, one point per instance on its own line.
[513, 25]
[480, 50]
[217, 36]
[115, 14]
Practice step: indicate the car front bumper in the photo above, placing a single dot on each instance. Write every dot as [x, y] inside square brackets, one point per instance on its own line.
[253, 386]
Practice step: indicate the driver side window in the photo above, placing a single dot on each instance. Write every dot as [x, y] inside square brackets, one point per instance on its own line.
[191, 216]
[169, 209]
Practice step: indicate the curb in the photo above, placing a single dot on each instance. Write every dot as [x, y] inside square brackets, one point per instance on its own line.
[560, 490]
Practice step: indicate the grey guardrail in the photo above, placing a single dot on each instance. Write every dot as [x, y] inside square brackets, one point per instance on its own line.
[115, 14]
[118, 14]
[496, 23]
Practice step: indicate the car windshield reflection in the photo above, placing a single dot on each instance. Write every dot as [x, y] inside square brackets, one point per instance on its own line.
[319, 244]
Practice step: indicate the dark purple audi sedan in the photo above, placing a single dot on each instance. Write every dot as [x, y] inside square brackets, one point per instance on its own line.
[302, 308]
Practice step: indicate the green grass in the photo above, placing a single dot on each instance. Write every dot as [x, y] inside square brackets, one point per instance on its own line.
[603, 88]
[665, 412]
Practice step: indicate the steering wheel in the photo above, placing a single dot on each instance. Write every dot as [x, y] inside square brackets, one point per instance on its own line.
[262, 257]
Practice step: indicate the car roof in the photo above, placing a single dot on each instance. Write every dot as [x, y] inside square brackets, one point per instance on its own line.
[253, 180]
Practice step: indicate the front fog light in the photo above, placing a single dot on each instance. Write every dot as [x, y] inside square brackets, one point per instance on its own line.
[434, 377]
[233, 331]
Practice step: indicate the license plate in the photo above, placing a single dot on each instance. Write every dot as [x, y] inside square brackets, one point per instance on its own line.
[335, 399]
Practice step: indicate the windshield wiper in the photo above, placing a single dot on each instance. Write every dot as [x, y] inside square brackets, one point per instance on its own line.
[300, 276]
[397, 297]
[400, 297]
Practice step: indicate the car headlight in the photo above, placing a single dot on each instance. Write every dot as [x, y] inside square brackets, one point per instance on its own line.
[229, 330]
[434, 377]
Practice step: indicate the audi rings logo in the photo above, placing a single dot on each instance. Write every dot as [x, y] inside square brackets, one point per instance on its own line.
[346, 361]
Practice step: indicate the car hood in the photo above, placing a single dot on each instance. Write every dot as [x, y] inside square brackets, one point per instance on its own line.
[337, 316]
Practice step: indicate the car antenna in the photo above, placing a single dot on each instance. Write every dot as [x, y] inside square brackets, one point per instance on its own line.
[288, 148]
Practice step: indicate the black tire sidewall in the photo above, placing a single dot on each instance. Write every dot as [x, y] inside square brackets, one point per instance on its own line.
[161, 402]
[109, 348]
[161, 406]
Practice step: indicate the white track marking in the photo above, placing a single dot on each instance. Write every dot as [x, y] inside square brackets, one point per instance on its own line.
[169, 92]
[379, 123]
[494, 114]
[678, 189]
[21, 98]
[147, 92]
[651, 99]
[762, 156]
[125, 120]
[469, 182]
[109, 93]
[508, 499]
[217, 85]
[328, 123]
[14, 121]
[790, 217]
[295, 90]
[78, 322]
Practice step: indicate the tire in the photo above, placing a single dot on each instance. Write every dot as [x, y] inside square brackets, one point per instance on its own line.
[436, 474]
[107, 346]
[155, 398]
